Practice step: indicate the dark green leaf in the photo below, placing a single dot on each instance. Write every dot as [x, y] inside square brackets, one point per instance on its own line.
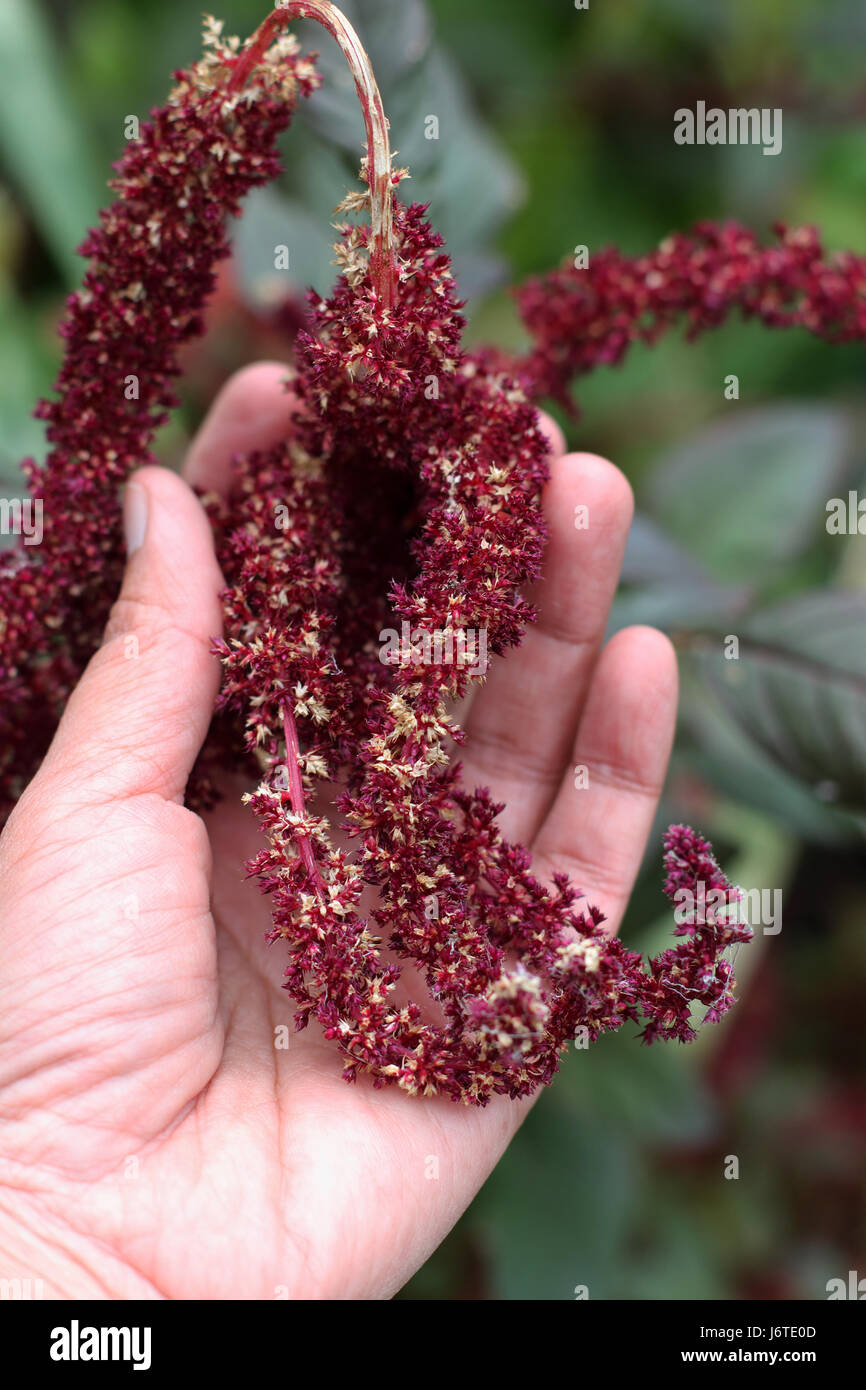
[751, 491]
[677, 607]
[798, 689]
[651, 555]
[559, 1206]
[272, 220]
[729, 758]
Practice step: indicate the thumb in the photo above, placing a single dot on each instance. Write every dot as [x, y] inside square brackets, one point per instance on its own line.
[140, 712]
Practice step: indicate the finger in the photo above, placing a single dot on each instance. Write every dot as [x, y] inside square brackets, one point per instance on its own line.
[137, 718]
[522, 724]
[554, 436]
[597, 828]
[251, 412]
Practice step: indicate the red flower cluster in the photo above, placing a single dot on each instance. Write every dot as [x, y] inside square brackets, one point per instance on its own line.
[152, 269]
[696, 971]
[408, 492]
[582, 319]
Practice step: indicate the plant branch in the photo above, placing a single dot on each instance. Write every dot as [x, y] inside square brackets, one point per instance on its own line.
[383, 263]
[296, 792]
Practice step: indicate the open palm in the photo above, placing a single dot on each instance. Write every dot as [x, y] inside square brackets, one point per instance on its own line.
[155, 1137]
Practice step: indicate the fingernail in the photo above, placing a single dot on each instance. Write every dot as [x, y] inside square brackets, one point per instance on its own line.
[134, 516]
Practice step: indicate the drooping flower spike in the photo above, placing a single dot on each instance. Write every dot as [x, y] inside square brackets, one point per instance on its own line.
[152, 262]
[580, 319]
[406, 497]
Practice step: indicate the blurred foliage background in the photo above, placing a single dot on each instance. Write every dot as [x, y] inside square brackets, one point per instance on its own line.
[556, 129]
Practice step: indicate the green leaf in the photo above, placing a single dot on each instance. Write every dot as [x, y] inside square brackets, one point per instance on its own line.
[652, 1091]
[29, 361]
[798, 689]
[676, 607]
[651, 555]
[473, 187]
[748, 494]
[42, 144]
[727, 756]
[270, 220]
[557, 1209]
[561, 1208]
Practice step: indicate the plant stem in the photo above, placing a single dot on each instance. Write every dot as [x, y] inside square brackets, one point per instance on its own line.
[383, 263]
[296, 792]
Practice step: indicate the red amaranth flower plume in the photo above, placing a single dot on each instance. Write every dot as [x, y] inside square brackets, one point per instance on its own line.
[408, 492]
[152, 262]
[696, 971]
[582, 319]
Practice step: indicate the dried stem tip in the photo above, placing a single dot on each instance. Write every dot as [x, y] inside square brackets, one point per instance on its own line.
[383, 263]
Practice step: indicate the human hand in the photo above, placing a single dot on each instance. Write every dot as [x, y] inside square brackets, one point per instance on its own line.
[153, 1140]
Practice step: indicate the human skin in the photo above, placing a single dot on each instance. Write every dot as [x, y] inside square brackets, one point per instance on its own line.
[154, 1142]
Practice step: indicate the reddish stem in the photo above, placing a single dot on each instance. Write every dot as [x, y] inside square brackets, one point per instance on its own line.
[383, 262]
[296, 792]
